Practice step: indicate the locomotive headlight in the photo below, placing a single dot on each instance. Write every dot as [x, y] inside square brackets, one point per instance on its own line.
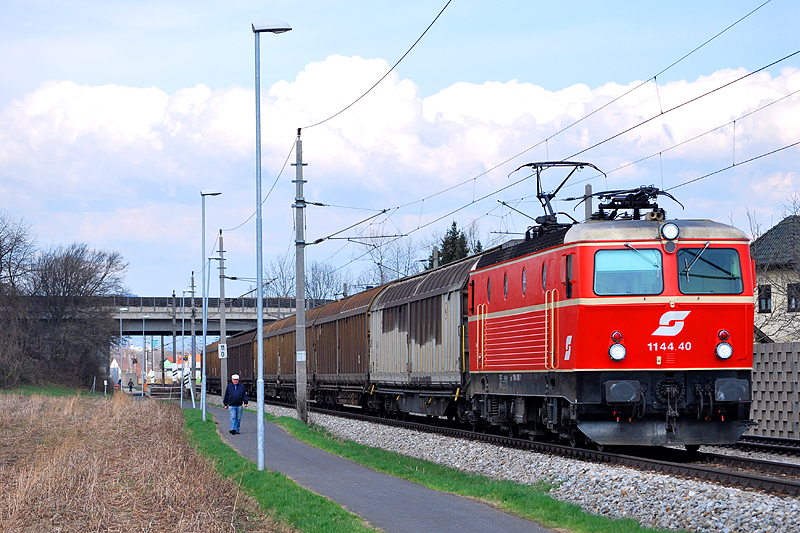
[670, 231]
[617, 352]
[724, 350]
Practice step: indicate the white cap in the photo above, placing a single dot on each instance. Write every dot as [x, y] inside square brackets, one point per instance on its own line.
[235, 376]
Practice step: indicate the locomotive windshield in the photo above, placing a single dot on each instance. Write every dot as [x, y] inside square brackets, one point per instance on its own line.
[709, 271]
[631, 271]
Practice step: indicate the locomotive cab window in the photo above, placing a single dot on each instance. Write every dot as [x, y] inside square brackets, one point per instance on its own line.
[570, 279]
[629, 271]
[544, 276]
[709, 271]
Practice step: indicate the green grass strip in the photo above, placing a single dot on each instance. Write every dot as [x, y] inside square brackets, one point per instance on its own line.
[279, 497]
[528, 501]
[46, 389]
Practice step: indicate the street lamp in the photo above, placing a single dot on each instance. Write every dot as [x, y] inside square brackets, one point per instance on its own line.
[270, 26]
[203, 195]
[121, 309]
[144, 352]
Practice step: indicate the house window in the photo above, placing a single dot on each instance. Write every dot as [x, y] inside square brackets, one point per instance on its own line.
[765, 298]
[793, 297]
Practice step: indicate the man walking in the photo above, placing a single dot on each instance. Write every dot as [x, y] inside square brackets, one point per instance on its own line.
[235, 397]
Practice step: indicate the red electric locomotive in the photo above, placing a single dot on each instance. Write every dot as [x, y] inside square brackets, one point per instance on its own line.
[628, 329]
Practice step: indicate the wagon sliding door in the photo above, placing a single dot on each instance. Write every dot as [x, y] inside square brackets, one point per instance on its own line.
[390, 361]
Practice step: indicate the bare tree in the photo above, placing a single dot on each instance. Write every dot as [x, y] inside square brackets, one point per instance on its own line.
[17, 249]
[74, 329]
[392, 258]
[280, 280]
[16, 254]
[16, 324]
[323, 282]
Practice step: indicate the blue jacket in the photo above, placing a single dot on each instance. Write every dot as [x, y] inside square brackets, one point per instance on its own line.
[235, 395]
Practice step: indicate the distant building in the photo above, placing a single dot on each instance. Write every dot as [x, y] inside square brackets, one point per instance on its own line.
[777, 257]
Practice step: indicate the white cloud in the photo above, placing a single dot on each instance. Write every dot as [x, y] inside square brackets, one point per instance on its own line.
[110, 163]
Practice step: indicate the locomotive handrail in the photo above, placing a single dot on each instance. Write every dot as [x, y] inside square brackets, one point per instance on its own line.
[550, 330]
[482, 317]
[546, 329]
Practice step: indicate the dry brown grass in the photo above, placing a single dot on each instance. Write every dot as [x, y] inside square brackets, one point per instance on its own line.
[87, 464]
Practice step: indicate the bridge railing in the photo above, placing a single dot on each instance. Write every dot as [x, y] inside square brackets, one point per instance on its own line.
[243, 304]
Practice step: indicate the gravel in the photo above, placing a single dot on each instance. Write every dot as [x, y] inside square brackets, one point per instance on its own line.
[654, 500]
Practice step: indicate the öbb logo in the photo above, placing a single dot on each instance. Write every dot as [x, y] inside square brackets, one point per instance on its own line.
[666, 327]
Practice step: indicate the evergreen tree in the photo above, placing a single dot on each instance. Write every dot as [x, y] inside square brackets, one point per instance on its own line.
[453, 247]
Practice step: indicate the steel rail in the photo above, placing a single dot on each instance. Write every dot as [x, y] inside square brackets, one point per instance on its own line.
[708, 473]
[775, 445]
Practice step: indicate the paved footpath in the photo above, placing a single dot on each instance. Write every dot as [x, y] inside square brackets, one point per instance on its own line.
[389, 503]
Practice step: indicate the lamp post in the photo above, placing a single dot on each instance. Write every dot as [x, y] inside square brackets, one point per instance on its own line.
[270, 26]
[203, 195]
[121, 309]
[144, 352]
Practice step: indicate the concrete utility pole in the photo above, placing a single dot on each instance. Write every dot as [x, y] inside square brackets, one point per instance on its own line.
[300, 294]
[174, 336]
[223, 344]
[588, 202]
[162, 361]
[194, 347]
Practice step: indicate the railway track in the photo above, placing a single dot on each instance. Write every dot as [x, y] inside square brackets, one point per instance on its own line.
[743, 472]
[776, 445]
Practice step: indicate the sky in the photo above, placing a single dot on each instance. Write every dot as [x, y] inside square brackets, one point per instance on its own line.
[114, 115]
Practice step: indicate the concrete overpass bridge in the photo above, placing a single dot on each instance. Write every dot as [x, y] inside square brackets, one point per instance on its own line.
[240, 313]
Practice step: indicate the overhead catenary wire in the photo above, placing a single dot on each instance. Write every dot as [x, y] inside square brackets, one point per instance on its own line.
[735, 165]
[473, 179]
[274, 183]
[387, 73]
[627, 130]
[723, 169]
[687, 102]
[687, 141]
[578, 121]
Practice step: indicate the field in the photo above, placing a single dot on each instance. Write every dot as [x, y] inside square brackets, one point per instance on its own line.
[81, 463]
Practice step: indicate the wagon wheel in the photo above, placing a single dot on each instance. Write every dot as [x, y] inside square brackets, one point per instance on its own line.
[576, 439]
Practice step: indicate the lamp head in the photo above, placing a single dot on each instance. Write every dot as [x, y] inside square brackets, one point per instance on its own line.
[270, 26]
[210, 192]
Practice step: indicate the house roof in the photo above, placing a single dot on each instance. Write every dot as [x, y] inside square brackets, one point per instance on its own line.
[780, 246]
